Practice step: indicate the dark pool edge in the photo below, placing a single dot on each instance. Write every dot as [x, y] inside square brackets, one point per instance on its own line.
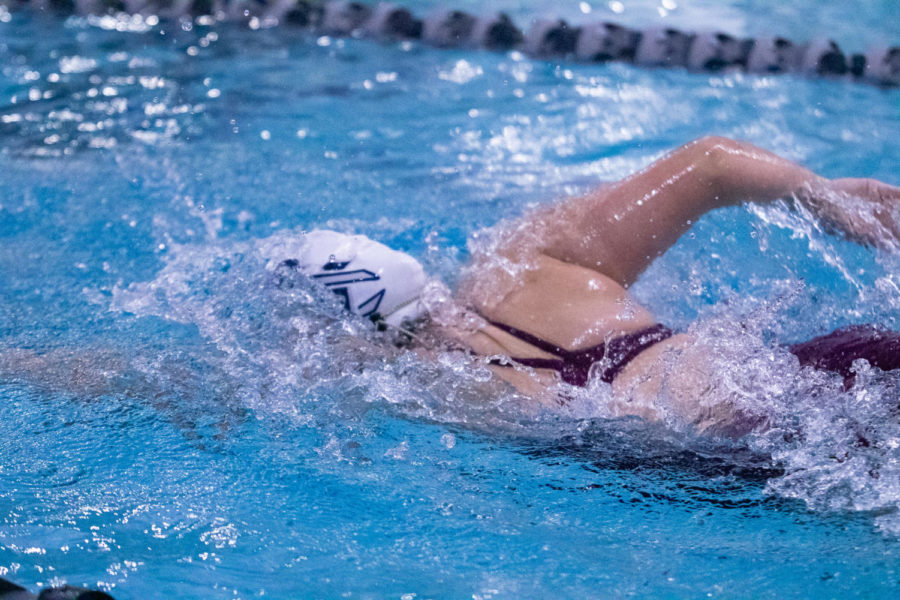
[553, 39]
[12, 591]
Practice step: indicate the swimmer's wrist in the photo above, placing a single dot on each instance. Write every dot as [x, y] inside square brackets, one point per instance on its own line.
[865, 210]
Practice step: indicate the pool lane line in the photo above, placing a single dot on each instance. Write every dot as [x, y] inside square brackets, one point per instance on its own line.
[551, 39]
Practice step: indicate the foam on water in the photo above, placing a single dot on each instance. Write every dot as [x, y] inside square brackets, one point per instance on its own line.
[288, 340]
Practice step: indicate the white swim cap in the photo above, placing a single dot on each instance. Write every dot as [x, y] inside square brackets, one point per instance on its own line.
[373, 280]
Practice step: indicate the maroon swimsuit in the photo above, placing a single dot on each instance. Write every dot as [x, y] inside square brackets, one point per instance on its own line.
[837, 350]
[606, 359]
[833, 352]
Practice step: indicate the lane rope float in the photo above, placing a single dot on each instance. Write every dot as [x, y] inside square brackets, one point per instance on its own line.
[653, 47]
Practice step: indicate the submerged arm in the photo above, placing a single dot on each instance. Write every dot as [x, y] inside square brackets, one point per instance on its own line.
[620, 229]
[174, 389]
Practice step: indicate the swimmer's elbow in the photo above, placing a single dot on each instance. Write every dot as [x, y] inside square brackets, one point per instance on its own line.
[715, 155]
[713, 166]
[733, 172]
[711, 144]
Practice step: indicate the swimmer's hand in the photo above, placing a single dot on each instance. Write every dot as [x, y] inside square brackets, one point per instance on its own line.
[867, 210]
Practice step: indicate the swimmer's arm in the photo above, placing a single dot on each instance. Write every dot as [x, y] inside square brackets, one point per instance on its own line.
[83, 374]
[864, 209]
[91, 375]
[620, 229]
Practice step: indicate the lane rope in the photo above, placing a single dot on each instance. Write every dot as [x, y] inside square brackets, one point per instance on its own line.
[654, 47]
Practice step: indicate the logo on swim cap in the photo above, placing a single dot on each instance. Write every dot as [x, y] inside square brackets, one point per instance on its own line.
[373, 280]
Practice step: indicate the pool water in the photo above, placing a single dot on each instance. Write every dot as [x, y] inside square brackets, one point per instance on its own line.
[175, 425]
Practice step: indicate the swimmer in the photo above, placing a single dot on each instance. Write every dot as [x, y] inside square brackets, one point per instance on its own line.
[547, 308]
[550, 304]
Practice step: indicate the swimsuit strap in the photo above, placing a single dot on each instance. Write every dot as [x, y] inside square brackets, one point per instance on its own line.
[574, 366]
[625, 348]
[528, 338]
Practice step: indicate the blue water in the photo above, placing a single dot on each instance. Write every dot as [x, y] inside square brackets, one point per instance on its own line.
[175, 426]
